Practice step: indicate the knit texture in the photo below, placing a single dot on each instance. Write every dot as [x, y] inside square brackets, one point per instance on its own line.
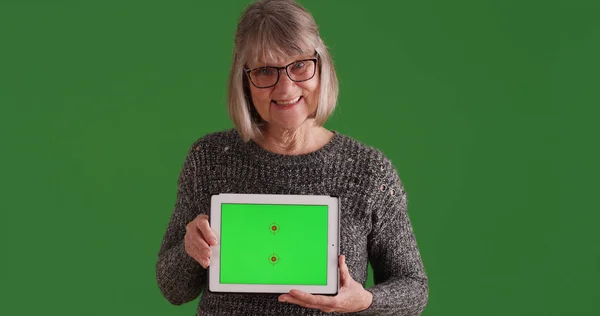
[374, 225]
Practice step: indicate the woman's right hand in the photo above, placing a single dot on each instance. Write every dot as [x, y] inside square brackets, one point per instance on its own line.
[198, 239]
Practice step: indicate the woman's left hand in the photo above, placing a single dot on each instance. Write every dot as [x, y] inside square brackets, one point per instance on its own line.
[352, 296]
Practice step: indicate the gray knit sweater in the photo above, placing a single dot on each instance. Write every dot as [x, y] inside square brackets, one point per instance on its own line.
[374, 224]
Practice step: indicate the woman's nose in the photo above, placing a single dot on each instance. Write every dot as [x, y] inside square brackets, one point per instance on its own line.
[284, 81]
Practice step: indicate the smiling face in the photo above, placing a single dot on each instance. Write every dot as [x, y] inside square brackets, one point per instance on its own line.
[288, 104]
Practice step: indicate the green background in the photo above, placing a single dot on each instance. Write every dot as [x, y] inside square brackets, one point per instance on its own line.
[247, 243]
[488, 109]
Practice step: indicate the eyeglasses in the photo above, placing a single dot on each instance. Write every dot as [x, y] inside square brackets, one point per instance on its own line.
[298, 71]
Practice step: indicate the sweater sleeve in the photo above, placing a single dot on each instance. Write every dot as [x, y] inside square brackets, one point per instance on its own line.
[179, 276]
[401, 285]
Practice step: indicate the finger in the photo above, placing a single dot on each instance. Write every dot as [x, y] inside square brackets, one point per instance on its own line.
[342, 259]
[293, 300]
[345, 270]
[199, 257]
[197, 248]
[344, 273]
[202, 247]
[188, 245]
[318, 301]
[207, 233]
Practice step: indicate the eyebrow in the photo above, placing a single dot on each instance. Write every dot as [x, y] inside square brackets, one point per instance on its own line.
[299, 57]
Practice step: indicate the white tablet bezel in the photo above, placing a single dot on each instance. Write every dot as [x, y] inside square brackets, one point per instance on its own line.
[333, 242]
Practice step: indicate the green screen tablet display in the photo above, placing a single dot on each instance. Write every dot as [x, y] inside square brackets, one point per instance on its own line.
[273, 244]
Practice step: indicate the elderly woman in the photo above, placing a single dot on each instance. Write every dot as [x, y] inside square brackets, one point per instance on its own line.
[282, 89]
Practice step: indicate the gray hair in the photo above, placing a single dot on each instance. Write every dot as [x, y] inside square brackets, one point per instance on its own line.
[270, 28]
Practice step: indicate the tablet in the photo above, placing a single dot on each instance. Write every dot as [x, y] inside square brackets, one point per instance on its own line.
[274, 243]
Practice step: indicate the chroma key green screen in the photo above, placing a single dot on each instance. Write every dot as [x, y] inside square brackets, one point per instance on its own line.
[273, 244]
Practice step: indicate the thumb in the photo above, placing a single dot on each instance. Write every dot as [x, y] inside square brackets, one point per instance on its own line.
[344, 271]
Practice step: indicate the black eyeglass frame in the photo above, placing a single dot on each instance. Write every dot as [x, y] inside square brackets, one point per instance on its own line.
[314, 60]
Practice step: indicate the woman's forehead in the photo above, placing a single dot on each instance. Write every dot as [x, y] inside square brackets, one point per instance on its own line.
[277, 60]
[279, 55]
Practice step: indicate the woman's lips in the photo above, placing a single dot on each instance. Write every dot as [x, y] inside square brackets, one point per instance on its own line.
[287, 106]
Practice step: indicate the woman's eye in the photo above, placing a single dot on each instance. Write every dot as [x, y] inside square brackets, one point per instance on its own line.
[299, 64]
[265, 71]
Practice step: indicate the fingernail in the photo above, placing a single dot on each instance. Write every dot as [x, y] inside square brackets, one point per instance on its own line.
[213, 240]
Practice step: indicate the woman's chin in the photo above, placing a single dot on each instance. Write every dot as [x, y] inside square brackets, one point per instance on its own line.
[288, 123]
[289, 120]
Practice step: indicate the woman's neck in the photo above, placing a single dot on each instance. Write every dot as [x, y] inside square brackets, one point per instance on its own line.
[306, 139]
